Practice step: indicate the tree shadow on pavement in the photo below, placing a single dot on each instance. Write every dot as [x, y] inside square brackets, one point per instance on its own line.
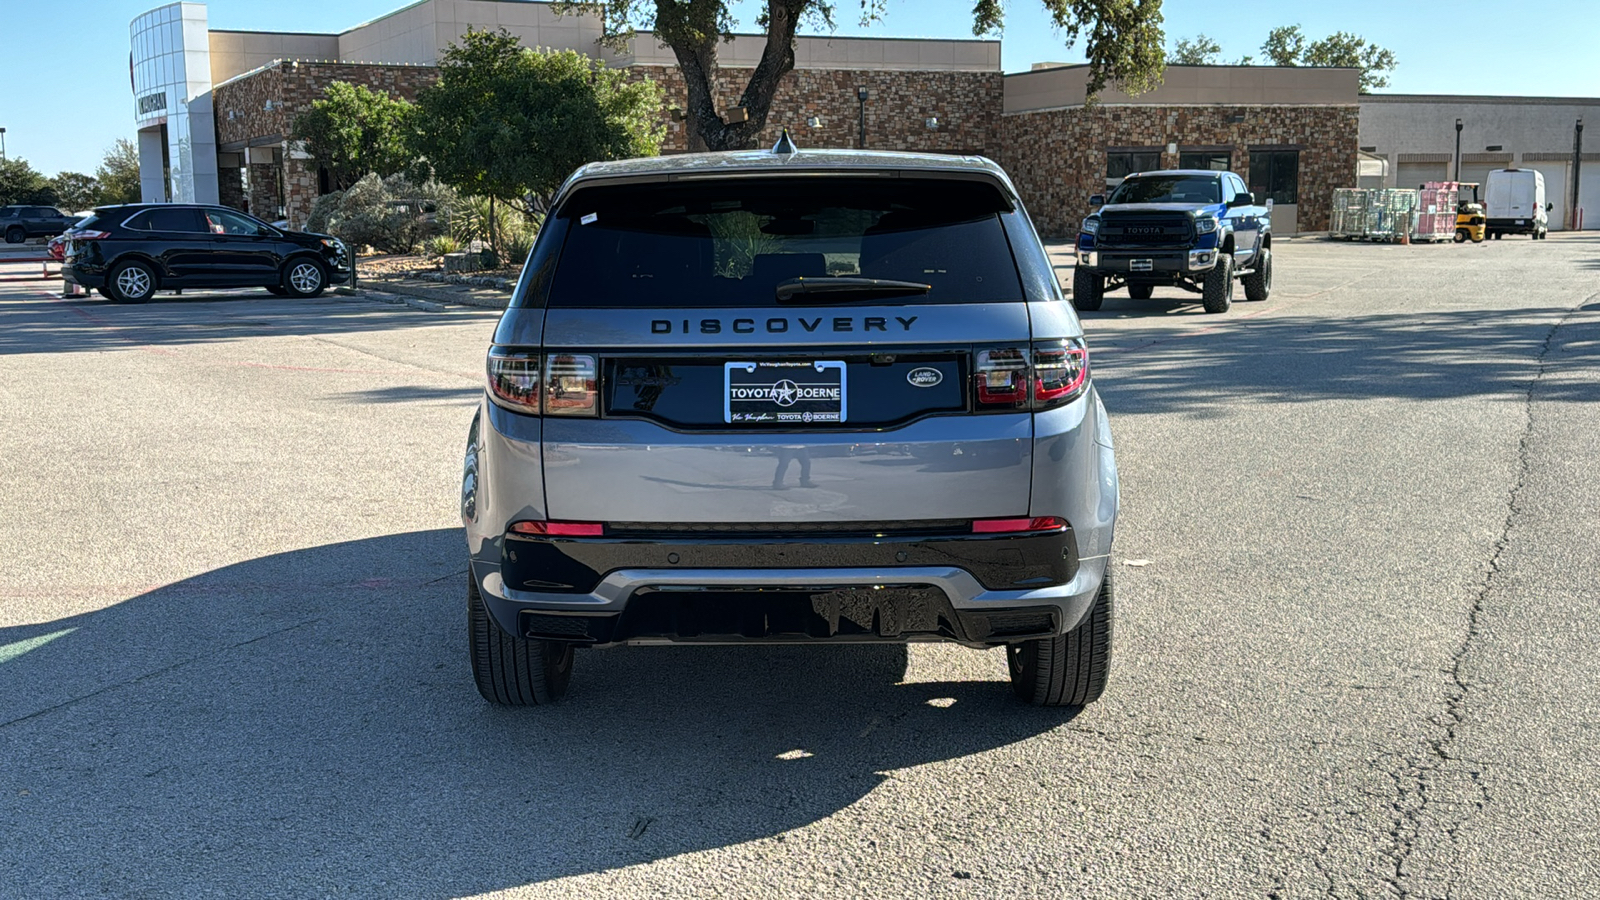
[1286, 359]
[305, 723]
[33, 321]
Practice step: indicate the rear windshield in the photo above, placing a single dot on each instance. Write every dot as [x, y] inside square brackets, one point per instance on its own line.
[730, 243]
[1168, 189]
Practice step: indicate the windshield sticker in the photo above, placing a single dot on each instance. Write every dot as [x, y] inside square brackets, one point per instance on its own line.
[590, 218]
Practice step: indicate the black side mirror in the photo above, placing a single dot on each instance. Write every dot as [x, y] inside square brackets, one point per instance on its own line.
[1097, 199]
[1244, 198]
[1549, 206]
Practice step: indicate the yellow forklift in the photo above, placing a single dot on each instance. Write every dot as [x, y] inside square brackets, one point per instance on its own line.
[1469, 214]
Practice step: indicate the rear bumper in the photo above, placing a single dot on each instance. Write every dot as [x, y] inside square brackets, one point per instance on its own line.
[898, 604]
[83, 278]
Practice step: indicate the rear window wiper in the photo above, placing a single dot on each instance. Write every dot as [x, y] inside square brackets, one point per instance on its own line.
[802, 290]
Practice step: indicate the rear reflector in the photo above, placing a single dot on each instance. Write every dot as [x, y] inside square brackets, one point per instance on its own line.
[560, 529]
[1018, 526]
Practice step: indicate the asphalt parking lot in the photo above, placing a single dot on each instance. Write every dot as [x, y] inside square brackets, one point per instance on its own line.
[1356, 645]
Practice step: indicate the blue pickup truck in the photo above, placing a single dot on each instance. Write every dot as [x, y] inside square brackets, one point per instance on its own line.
[1193, 229]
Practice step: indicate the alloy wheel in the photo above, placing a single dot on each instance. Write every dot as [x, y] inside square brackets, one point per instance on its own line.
[305, 278]
[133, 282]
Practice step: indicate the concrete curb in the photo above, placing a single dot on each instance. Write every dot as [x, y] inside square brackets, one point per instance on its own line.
[397, 300]
[460, 295]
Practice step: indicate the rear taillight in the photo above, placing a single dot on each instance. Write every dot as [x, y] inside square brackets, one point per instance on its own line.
[1041, 376]
[1060, 371]
[559, 529]
[514, 379]
[555, 384]
[1002, 378]
[88, 235]
[1018, 526]
[571, 385]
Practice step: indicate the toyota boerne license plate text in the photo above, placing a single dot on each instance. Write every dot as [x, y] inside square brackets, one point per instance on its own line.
[785, 391]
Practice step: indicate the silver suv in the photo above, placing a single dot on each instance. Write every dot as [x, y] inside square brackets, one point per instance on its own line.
[789, 396]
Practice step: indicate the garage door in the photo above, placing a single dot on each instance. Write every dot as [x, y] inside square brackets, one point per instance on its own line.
[1589, 196]
[1479, 172]
[1411, 174]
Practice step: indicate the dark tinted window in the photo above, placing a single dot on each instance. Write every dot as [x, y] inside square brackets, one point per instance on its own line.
[167, 220]
[1275, 174]
[42, 212]
[1216, 161]
[9, 212]
[1120, 164]
[729, 243]
[1168, 189]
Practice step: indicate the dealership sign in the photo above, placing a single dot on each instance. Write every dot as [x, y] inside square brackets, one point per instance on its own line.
[150, 103]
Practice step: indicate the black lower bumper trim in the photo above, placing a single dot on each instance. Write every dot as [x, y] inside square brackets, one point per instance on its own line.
[999, 562]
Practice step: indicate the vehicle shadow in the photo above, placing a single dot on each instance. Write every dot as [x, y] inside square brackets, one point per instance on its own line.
[1289, 359]
[33, 320]
[304, 723]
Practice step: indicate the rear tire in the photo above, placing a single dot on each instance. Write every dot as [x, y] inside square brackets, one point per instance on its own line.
[1068, 669]
[1088, 290]
[510, 670]
[1258, 284]
[15, 235]
[1141, 291]
[131, 282]
[1217, 292]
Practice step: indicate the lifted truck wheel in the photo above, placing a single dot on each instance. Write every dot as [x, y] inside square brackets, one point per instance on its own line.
[1141, 291]
[1088, 290]
[1217, 292]
[1069, 669]
[1258, 284]
[511, 670]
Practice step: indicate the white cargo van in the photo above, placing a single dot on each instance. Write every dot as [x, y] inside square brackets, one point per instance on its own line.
[1516, 203]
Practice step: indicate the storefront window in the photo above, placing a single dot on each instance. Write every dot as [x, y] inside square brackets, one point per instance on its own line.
[1275, 175]
[1122, 163]
[1218, 161]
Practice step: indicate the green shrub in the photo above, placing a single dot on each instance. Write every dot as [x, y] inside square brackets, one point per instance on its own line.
[440, 244]
[518, 247]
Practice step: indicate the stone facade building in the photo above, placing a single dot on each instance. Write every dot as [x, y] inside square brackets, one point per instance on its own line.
[1291, 132]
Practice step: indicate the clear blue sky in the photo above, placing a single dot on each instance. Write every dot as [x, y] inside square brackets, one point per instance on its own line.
[67, 96]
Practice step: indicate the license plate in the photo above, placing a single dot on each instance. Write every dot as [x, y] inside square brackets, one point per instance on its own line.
[1522, 221]
[783, 392]
[1140, 265]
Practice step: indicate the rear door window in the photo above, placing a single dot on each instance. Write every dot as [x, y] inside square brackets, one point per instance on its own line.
[187, 220]
[730, 242]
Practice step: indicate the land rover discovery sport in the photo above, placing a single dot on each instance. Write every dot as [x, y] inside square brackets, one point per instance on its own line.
[703, 352]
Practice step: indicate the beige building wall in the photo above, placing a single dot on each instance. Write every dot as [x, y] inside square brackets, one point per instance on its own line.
[819, 52]
[419, 33]
[1066, 87]
[236, 52]
[409, 35]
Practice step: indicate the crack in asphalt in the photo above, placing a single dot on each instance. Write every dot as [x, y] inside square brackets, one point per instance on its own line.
[1416, 780]
[156, 673]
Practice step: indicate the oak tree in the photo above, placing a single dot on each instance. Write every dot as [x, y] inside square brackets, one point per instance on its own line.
[1122, 40]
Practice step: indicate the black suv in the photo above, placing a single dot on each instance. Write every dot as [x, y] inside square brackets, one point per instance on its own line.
[127, 253]
[18, 223]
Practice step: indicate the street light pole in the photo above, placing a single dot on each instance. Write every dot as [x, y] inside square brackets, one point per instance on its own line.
[3, 142]
[1458, 151]
[1578, 165]
[861, 140]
